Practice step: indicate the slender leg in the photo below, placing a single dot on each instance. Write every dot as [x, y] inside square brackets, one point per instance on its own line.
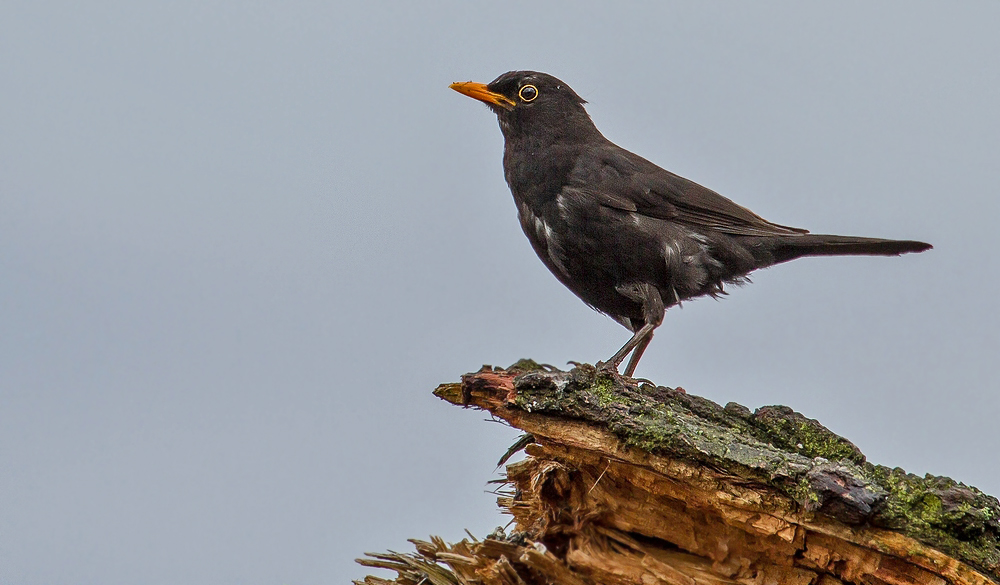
[637, 353]
[640, 335]
[652, 310]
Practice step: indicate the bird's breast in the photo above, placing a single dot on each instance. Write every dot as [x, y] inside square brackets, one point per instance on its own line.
[535, 172]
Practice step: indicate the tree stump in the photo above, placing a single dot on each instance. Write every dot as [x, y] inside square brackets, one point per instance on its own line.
[627, 483]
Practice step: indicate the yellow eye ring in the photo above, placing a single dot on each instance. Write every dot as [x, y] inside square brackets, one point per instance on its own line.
[528, 93]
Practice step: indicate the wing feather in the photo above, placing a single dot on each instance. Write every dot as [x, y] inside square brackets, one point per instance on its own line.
[622, 180]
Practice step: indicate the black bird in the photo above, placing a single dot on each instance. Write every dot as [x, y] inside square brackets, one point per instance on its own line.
[627, 237]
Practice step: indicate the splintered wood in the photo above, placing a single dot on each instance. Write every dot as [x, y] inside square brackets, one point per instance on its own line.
[590, 510]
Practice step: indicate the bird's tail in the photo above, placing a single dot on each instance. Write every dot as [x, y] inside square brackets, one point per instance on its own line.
[792, 247]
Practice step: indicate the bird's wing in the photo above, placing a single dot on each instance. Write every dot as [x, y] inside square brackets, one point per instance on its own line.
[620, 179]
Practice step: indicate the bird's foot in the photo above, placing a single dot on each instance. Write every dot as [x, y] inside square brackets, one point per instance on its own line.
[610, 370]
[607, 368]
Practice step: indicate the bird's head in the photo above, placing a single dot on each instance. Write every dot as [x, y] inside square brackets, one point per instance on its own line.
[532, 103]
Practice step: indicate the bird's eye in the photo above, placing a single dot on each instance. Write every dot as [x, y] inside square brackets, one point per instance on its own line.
[528, 93]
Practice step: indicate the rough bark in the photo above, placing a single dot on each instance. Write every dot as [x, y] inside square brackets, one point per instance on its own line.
[628, 483]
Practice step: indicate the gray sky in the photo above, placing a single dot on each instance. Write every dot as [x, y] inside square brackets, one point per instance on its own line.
[240, 243]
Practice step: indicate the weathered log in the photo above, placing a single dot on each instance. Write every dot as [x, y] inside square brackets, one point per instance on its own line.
[627, 483]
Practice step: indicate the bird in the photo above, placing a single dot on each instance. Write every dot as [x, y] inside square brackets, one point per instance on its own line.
[628, 237]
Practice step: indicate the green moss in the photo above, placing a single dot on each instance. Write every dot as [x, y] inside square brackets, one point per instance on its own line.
[604, 389]
[651, 434]
[785, 428]
[958, 519]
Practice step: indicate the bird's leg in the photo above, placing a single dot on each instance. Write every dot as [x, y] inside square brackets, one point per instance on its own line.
[652, 311]
[642, 334]
[637, 353]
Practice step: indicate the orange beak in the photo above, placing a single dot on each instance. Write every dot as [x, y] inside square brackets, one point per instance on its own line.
[481, 93]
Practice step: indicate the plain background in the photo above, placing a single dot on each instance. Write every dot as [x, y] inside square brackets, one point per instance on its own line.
[242, 242]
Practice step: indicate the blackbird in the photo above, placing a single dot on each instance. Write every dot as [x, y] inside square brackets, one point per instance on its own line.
[627, 237]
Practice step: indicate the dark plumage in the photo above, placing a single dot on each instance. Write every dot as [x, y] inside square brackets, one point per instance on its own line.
[626, 236]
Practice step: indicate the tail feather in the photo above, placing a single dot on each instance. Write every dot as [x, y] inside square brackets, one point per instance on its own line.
[792, 247]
